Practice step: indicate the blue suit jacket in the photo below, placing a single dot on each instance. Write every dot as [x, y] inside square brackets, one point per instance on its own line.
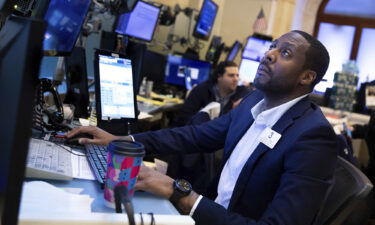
[283, 185]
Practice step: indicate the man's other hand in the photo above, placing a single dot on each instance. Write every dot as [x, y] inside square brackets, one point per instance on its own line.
[100, 137]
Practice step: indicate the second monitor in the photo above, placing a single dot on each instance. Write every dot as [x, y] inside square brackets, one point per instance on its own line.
[186, 72]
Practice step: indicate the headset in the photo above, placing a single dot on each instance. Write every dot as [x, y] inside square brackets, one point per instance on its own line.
[44, 118]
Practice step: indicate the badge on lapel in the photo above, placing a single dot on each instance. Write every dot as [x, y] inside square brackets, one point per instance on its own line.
[269, 137]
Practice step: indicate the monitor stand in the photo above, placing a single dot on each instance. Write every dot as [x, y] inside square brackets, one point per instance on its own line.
[117, 127]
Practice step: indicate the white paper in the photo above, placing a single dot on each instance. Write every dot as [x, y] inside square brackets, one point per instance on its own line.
[40, 196]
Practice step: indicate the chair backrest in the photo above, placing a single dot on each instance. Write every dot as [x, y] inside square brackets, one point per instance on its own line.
[349, 188]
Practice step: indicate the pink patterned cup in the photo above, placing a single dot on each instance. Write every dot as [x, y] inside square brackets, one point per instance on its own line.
[124, 160]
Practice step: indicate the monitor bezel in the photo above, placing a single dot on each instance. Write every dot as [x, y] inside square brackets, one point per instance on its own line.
[199, 35]
[97, 86]
[135, 37]
[53, 52]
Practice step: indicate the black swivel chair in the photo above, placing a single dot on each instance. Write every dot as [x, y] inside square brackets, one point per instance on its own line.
[350, 191]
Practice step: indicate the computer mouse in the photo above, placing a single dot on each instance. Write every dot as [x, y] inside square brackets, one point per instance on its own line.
[75, 139]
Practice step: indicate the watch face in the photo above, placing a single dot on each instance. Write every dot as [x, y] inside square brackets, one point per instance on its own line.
[184, 185]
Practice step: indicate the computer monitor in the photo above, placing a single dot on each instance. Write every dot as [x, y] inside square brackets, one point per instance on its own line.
[20, 42]
[153, 67]
[233, 51]
[185, 72]
[214, 50]
[255, 47]
[65, 19]
[77, 92]
[114, 87]
[247, 70]
[206, 20]
[135, 51]
[140, 23]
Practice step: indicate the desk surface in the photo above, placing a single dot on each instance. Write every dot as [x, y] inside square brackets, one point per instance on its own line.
[143, 202]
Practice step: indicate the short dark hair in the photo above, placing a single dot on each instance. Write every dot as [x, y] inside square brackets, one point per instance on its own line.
[220, 69]
[317, 57]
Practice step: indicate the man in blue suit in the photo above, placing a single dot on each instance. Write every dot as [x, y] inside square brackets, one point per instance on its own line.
[279, 150]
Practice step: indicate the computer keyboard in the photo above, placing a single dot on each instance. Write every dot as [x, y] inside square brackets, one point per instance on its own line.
[97, 158]
[47, 160]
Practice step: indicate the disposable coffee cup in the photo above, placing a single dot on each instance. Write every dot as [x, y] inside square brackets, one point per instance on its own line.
[124, 160]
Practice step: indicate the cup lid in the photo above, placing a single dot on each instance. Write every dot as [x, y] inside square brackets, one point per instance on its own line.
[126, 147]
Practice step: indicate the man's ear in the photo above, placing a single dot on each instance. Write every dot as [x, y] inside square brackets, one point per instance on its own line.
[308, 77]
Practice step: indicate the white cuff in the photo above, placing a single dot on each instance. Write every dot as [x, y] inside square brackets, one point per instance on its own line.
[195, 205]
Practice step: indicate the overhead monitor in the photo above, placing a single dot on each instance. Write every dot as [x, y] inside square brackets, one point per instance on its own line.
[255, 48]
[114, 87]
[185, 72]
[140, 23]
[206, 20]
[248, 69]
[233, 51]
[65, 19]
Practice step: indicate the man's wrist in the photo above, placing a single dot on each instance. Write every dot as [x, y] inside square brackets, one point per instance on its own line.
[185, 204]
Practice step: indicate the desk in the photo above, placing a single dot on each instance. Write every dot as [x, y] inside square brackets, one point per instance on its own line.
[337, 117]
[164, 211]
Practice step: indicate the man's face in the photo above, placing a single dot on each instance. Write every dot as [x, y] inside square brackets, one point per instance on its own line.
[281, 67]
[229, 80]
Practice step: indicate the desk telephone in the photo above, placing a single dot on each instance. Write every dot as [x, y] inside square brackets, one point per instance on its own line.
[45, 117]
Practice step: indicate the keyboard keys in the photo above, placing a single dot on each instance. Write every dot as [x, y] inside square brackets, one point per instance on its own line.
[47, 160]
[97, 157]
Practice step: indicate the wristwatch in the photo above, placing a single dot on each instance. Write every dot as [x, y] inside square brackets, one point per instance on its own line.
[181, 188]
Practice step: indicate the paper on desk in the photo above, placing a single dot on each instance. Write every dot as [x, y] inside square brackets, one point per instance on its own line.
[84, 122]
[40, 196]
[143, 115]
[81, 168]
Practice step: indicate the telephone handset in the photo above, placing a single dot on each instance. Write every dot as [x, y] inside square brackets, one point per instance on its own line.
[55, 116]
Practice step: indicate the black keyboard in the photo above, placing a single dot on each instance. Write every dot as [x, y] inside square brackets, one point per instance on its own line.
[97, 157]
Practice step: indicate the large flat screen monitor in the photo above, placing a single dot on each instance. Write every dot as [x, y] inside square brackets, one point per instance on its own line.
[206, 20]
[255, 48]
[185, 72]
[20, 41]
[140, 23]
[114, 87]
[234, 50]
[65, 19]
[248, 69]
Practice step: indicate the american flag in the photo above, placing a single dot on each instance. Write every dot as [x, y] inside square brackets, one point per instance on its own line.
[260, 24]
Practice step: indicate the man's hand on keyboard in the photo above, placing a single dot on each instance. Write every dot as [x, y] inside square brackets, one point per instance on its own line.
[100, 137]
